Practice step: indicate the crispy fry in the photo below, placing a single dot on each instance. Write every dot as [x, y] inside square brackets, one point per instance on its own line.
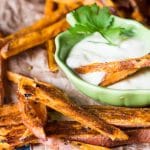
[50, 44]
[120, 116]
[30, 118]
[72, 131]
[109, 67]
[15, 78]
[47, 20]
[75, 132]
[35, 27]
[111, 78]
[59, 101]
[33, 39]
[116, 71]
[38, 25]
[54, 98]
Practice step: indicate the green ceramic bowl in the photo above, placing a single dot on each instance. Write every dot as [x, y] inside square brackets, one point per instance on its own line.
[130, 98]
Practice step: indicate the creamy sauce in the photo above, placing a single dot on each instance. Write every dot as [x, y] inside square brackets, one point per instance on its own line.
[96, 49]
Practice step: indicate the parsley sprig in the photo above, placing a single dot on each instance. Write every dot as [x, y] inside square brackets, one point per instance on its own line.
[90, 19]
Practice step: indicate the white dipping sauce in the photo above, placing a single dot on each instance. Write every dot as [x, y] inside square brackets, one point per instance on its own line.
[95, 49]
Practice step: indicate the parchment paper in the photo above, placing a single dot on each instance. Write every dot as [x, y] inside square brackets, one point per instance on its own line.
[15, 14]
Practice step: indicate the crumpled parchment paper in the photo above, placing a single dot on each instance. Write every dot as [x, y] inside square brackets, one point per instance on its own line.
[15, 14]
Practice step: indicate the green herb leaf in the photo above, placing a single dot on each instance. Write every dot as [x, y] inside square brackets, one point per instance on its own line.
[90, 19]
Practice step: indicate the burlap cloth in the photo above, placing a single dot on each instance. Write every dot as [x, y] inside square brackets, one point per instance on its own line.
[15, 14]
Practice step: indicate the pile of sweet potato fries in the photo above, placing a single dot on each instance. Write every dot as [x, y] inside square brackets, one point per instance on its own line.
[28, 121]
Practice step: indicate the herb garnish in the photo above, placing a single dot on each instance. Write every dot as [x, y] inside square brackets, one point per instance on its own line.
[90, 19]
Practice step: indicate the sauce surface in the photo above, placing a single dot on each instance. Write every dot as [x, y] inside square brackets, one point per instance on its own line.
[95, 48]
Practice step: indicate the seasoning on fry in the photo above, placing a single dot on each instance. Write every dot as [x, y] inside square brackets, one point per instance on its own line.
[10, 115]
[30, 118]
[72, 131]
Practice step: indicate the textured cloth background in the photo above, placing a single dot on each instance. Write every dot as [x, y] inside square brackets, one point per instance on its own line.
[15, 14]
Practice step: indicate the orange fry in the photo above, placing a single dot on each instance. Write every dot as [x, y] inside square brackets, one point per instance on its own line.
[30, 40]
[116, 71]
[10, 115]
[111, 78]
[109, 67]
[121, 116]
[50, 45]
[54, 98]
[38, 25]
[30, 118]
[59, 101]
[71, 131]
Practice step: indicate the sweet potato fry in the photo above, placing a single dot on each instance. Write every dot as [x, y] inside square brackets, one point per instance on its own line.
[59, 101]
[111, 78]
[72, 131]
[54, 98]
[120, 116]
[50, 45]
[116, 71]
[33, 39]
[109, 67]
[35, 27]
[47, 20]
[30, 118]
[77, 133]
[38, 25]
